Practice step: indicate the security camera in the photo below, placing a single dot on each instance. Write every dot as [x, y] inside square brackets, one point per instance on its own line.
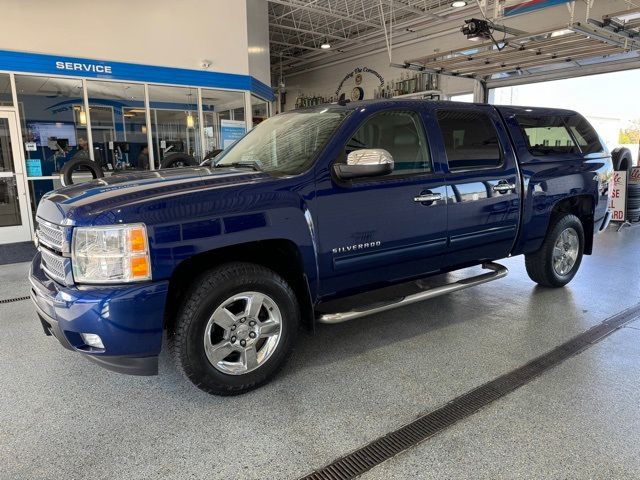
[205, 64]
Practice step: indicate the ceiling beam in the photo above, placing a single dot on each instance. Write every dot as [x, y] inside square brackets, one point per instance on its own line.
[322, 11]
[310, 32]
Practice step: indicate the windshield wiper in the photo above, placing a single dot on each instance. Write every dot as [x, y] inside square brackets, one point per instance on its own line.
[254, 165]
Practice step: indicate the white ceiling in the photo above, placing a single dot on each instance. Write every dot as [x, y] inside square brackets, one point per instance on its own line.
[297, 28]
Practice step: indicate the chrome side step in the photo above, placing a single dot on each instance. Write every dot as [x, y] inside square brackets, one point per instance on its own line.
[497, 271]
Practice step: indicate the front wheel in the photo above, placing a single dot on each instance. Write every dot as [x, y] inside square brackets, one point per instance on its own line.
[235, 329]
[558, 259]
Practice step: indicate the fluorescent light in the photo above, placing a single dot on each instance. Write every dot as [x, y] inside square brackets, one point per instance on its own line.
[459, 4]
[83, 117]
[190, 121]
[325, 45]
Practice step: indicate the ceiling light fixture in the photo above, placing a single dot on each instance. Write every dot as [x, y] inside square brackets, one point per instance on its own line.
[190, 121]
[325, 45]
[459, 4]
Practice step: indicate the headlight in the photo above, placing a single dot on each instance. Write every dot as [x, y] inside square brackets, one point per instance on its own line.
[112, 254]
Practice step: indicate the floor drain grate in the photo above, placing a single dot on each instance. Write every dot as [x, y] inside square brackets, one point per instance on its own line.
[18, 299]
[382, 449]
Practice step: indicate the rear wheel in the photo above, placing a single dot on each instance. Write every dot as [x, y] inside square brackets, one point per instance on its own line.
[558, 259]
[235, 329]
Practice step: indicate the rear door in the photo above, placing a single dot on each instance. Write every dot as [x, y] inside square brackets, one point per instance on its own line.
[483, 183]
[378, 230]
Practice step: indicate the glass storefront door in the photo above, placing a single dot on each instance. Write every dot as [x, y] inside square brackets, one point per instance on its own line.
[14, 214]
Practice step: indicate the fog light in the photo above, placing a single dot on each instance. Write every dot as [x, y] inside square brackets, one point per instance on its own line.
[92, 340]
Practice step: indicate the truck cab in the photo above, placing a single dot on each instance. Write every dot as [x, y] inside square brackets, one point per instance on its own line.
[309, 207]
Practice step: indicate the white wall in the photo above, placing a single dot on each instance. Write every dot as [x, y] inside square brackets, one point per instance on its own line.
[153, 32]
[258, 40]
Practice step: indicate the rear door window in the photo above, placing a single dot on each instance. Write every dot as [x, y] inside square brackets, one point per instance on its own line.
[470, 139]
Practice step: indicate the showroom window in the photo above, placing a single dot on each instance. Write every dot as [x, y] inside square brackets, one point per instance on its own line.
[6, 98]
[174, 119]
[399, 133]
[118, 125]
[53, 122]
[470, 139]
[223, 119]
[259, 110]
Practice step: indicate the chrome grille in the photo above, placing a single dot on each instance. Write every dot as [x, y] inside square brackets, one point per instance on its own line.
[50, 235]
[54, 265]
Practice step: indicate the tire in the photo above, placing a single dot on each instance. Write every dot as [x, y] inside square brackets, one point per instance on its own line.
[195, 327]
[622, 159]
[175, 160]
[633, 203]
[633, 215]
[633, 189]
[66, 174]
[540, 265]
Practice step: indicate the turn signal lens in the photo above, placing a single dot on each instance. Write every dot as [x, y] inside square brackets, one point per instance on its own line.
[139, 268]
[137, 240]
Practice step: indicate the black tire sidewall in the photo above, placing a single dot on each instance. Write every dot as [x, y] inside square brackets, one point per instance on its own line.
[173, 158]
[195, 361]
[69, 167]
[568, 221]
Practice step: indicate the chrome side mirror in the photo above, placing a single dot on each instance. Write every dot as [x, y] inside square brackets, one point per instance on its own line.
[368, 162]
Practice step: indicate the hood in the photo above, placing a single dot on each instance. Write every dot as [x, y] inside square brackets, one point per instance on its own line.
[81, 203]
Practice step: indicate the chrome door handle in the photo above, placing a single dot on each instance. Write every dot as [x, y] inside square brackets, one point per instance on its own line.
[428, 197]
[504, 187]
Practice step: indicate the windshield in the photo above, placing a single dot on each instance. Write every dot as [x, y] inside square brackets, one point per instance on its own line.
[286, 143]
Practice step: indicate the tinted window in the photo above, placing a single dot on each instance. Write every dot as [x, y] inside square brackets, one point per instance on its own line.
[584, 134]
[470, 139]
[555, 134]
[401, 134]
[546, 135]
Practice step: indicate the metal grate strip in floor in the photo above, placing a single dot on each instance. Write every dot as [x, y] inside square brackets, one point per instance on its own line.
[383, 448]
[17, 299]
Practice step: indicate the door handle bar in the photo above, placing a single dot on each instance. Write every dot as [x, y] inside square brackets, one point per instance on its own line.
[428, 197]
[504, 187]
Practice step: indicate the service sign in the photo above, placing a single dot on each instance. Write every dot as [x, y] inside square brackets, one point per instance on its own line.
[618, 201]
[635, 176]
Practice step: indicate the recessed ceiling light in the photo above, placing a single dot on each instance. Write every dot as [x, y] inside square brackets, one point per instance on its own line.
[325, 45]
[459, 4]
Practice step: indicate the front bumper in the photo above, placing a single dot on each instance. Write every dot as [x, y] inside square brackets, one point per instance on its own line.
[128, 319]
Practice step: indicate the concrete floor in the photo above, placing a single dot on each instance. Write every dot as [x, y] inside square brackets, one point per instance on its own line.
[63, 417]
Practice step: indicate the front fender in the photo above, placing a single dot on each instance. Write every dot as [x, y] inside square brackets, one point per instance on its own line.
[186, 226]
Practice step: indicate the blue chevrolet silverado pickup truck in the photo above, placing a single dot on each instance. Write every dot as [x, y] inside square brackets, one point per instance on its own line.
[312, 206]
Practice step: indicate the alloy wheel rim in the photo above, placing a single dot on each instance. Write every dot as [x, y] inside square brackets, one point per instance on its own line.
[565, 252]
[243, 333]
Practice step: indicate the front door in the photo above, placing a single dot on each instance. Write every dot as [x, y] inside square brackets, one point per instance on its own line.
[14, 212]
[378, 230]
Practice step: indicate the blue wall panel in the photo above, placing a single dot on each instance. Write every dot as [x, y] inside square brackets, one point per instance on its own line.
[83, 67]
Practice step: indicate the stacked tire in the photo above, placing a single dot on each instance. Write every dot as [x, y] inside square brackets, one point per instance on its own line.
[623, 161]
